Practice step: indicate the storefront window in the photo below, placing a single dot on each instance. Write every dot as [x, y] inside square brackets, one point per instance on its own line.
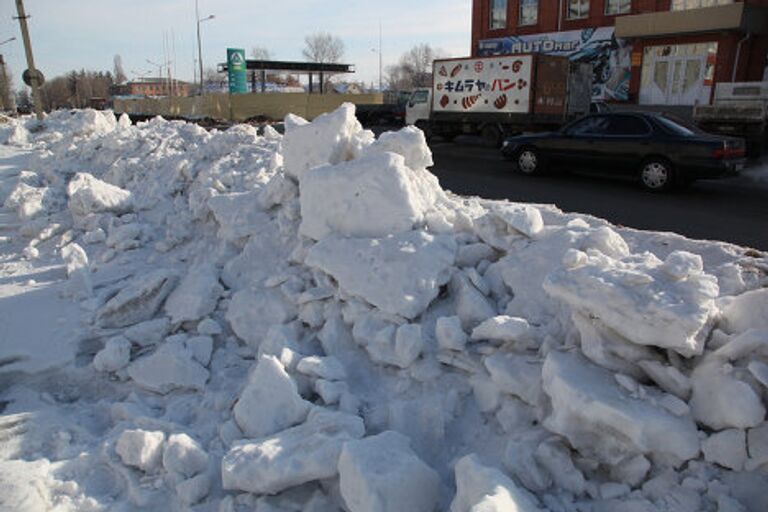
[578, 9]
[682, 5]
[529, 12]
[498, 14]
[680, 74]
[618, 6]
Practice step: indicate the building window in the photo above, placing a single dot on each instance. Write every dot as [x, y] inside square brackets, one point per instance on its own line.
[618, 6]
[683, 5]
[529, 12]
[498, 14]
[578, 9]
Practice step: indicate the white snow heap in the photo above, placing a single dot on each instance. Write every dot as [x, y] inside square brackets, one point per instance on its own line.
[88, 194]
[481, 488]
[330, 138]
[602, 420]
[636, 297]
[295, 456]
[238, 215]
[409, 143]
[172, 366]
[270, 401]
[184, 455]
[382, 474]
[139, 300]
[78, 271]
[140, 448]
[251, 314]
[196, 295]
[399, 274]
[371, 196]
[115, 355]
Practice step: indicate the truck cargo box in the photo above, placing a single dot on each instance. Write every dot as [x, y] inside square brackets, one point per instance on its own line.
[502, 86]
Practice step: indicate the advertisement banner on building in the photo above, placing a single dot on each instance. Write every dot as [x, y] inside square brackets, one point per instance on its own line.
[236, 71]
[610, 57]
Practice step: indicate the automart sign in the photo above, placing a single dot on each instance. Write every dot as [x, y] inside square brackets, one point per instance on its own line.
[236, 71]
[610, 57]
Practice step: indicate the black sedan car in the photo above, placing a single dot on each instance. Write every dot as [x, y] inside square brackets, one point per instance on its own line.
[660, 151]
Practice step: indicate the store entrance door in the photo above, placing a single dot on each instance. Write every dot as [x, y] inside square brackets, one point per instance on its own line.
[677, 75]
[675, 81]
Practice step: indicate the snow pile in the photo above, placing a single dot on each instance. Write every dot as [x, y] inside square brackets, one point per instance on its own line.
[310, 323]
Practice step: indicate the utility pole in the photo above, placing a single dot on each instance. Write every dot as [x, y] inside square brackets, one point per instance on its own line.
[200, 44]
[33, 73]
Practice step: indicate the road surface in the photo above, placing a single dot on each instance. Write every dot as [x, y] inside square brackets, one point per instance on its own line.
[732, 210]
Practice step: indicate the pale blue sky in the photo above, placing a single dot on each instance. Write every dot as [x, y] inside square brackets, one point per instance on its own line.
[75, 34]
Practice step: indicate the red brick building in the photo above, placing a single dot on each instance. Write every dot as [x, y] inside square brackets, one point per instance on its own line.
[643, 51]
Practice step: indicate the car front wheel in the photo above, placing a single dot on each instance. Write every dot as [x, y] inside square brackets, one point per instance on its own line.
[656, 175]
[529, 161]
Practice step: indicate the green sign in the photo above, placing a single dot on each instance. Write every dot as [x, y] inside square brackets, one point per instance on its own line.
[236, 71]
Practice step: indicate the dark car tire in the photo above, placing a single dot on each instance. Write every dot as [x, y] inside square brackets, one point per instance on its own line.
[657, 175]
[529, 161]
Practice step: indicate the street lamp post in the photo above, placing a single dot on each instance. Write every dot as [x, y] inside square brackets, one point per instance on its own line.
[199, 43]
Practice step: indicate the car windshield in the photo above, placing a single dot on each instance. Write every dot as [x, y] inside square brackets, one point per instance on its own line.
[419, 97]
[677, 127]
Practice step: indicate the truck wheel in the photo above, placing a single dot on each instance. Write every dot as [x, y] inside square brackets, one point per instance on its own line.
[492, 135]
[656, 175]
[529, 161]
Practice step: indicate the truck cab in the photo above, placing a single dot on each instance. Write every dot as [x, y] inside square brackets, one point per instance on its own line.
[418, 107]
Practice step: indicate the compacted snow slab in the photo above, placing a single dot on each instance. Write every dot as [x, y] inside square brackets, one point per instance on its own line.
[642, 298]
[399, 274]
[298, 455]
[481, 488]
[603, 420]
[382, 474]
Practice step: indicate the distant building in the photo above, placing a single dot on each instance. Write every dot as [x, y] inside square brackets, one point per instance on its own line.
[660, 52]
[151, 87]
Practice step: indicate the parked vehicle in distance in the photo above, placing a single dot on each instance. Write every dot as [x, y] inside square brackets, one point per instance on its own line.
[500, 95]
[740, 109]
[391, 112]
[658, 150]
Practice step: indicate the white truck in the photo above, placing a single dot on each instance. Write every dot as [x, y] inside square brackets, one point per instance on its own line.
[739, 109]
[501, 95]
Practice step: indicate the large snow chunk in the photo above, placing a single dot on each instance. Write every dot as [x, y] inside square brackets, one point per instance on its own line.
[252, 314]
[139, 301]
[140, 448]
[78, 271]
[399, 274]
[516, 374]
[196, 296]
[519, 217]
[483, 489]
[408, 142]
[636, 297]
[727, 448]
[171, 367]
[239, 214]
[292, 457]
[503, 328]
[88, 194]
[184, 455]
[449, 333]
[746, 311]
[330, 138]
[115, 355]
[602, 420]
[270, 401]
[720, 400]
[368, 197]
[382, 474]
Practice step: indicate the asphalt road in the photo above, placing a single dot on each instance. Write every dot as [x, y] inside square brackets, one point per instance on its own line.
[733, 210]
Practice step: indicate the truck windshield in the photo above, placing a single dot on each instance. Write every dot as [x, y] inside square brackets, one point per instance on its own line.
[419, 97]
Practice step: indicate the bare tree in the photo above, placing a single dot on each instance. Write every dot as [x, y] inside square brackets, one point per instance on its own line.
[323, 47]
[118, 70]
[261, 53]
[416, 65]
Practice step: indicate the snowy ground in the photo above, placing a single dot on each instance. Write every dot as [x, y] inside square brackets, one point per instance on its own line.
[227, 322]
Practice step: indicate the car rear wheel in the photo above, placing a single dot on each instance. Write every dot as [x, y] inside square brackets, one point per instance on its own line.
[529, 161]
[656, 175]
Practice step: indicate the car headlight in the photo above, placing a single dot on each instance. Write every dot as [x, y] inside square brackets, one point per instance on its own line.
[505, 144]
